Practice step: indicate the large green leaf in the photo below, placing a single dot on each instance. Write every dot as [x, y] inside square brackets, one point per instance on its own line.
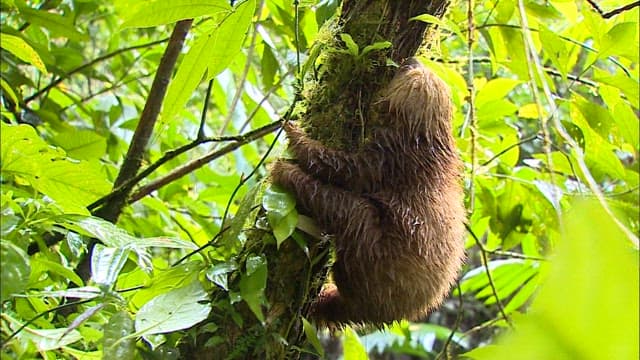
[81, 144]
[22, 51]
[15, 268]
[115, 343]
[56, 24]
[72, 184]
[160, 12]
[281, 212]
[176, 310]
[253, 284]
[353, 349]
[212, 50]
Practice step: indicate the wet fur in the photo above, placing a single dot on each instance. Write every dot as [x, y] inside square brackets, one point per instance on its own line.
[394, 207]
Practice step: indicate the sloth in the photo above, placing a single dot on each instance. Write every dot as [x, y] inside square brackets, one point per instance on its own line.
[394, 207]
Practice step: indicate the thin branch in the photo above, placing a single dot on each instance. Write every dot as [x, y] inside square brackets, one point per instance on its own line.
[505, 150]
[205, 107]
[239, 140]
[89, 65]
[531, 54]
[106, 89]
[471, 120]
[198, 163]
[621, 9]
[243, 181]
[111, 210]
[613, 12]
[485, 264]
[445, 349]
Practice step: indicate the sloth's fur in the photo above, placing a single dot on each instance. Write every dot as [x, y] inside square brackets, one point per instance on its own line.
[394, 207]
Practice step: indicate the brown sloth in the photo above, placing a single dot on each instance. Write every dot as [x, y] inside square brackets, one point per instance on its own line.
[394, 207]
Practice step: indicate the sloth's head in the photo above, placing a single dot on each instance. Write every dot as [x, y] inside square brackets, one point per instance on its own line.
[419, 100]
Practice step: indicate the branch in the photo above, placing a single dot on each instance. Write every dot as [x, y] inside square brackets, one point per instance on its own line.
[169, 155]
[485, 263]
[613, 12]
[89, 65]
[111, 210]
[198, 163]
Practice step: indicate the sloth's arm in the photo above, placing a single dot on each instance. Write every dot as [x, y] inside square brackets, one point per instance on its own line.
[337, 211]
[368, 166]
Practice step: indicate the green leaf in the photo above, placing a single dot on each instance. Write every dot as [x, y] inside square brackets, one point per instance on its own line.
[8, 90]
[284, 227]
[380, 45]
[277, 201]
[353, 348]
[212, 50]
[551, 192]
[106, 263]
[56, 268]
[176, 310]
[495, 90]
[218, 274]
[252, 284]
[628, 85]
[446, 24]
[15, 268]
[166, 280]
[352, 47]
[312, 337]
[81, 144]
[281, 212]
[231, 237]
[555, 49]
[113, 236]
[160, 12]
[57, 25]
[43, 339]
[116, 342]
[616, 42]
[22, 51]
[71, 184]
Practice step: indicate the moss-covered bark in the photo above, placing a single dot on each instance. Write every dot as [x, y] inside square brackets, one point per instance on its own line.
[337, 101]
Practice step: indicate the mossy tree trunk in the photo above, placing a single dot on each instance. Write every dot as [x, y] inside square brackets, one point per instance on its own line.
[337, 99]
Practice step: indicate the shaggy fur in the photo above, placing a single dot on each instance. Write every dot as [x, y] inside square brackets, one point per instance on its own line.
[394, 207]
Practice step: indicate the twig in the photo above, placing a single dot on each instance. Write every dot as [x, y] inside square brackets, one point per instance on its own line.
[205, 107]
[485, 263]
[505, 150]
[89, 65]
[470, 119]
[197, 163]
[169, 155]
[445, 349]
[613, 12]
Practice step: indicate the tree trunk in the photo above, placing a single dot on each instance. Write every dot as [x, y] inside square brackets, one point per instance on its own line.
[336, 102]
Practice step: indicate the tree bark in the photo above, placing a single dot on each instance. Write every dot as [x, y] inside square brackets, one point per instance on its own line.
[337, 103]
